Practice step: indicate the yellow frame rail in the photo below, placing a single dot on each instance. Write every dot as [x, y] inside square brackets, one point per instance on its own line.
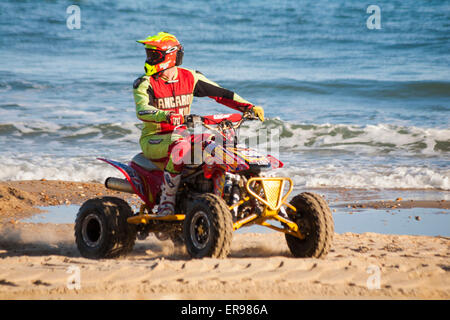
[273, 191]
[144, 218]
[274, 198]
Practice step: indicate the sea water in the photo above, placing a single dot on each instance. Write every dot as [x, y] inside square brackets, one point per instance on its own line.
[354, 107]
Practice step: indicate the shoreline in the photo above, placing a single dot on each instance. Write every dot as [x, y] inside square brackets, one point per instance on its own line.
[24, 196]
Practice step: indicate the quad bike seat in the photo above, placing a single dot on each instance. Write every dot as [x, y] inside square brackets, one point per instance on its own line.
[146, 163]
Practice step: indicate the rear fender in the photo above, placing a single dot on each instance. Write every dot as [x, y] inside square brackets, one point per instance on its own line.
[132, 176]
[153, 180]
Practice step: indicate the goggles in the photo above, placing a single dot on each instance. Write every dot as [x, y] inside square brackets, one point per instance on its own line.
[157, 56]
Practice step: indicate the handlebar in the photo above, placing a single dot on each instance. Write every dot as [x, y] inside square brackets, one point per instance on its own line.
[233, 120]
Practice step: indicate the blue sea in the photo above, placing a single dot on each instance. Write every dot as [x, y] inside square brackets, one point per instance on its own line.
[354, 107]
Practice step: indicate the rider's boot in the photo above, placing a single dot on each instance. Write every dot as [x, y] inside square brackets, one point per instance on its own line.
[169, 190]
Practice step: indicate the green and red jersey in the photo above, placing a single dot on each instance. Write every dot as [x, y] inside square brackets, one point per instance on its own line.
[155, 98]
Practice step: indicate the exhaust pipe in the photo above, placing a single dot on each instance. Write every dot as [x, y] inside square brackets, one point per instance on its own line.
[118, 185]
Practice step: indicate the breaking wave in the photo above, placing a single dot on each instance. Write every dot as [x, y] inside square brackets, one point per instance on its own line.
[369, 177]
[368, 139]
[380, 138]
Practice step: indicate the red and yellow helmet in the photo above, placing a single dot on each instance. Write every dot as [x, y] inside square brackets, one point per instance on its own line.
[163, 52]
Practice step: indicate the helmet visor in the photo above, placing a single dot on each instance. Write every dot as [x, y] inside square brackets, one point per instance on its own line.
[154, 56]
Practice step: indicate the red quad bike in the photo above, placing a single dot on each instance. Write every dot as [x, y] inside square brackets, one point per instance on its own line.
[225, 190]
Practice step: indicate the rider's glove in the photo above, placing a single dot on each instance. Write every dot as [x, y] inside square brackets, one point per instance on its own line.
[259, 112]
[175, 119]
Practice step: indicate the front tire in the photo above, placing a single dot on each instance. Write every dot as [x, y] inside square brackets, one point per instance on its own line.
[208, 227]
[102, 230]
[315, 222]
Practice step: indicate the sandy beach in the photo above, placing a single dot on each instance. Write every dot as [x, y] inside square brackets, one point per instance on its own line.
[40, 260]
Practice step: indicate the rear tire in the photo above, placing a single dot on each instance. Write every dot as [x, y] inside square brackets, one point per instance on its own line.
[315, 221]
[102, 230]
[208, 227]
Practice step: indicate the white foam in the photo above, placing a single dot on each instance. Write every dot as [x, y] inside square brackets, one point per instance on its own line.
[369, 177]
[56, 169]
[36, 126]
[360, 139]
[350, 175]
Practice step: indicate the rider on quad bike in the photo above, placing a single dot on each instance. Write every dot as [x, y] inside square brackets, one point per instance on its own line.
[230, 188]
[163, 96]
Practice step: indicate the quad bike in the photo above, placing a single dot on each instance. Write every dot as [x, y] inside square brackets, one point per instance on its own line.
[226, 190]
